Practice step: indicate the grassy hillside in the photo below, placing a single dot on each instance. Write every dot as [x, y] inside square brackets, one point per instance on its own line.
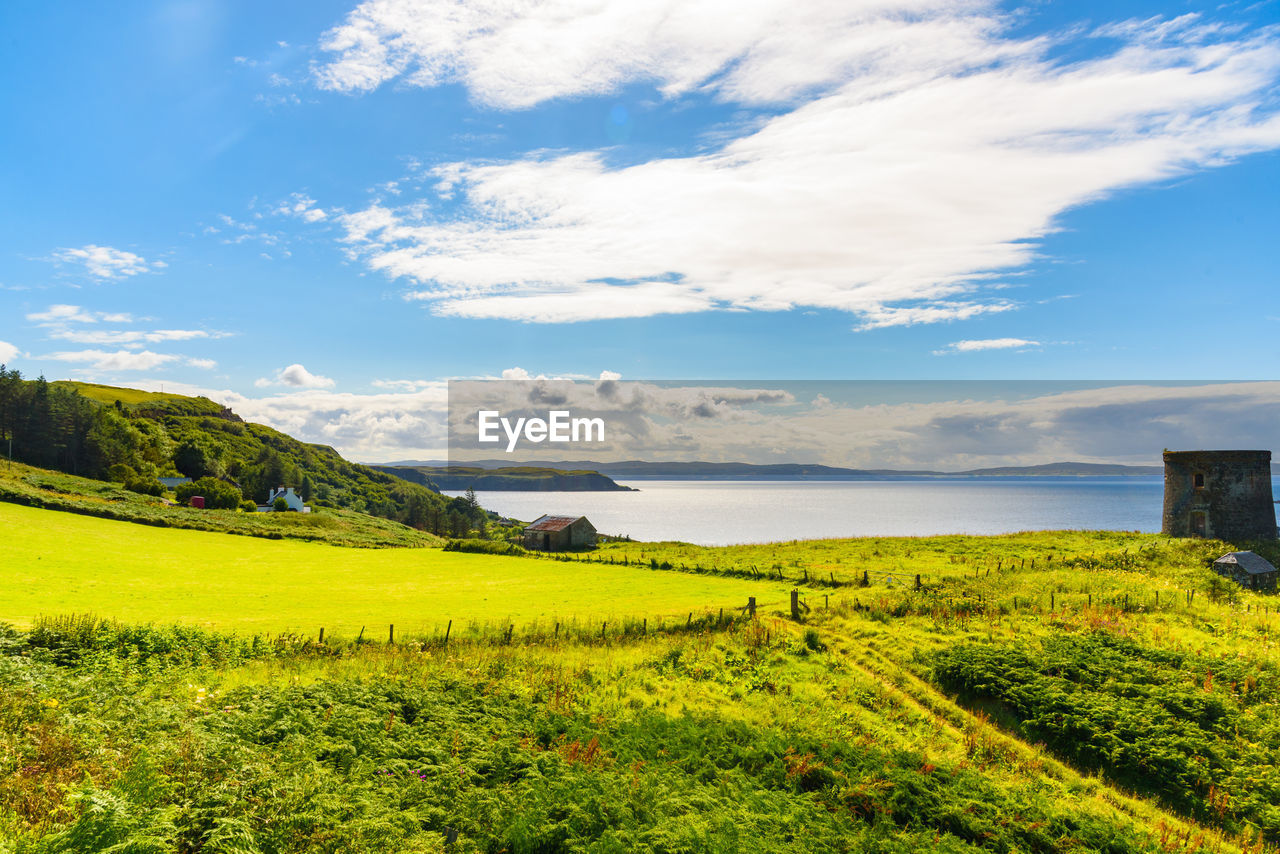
[27, 485]
[61, 562]
[136, 398]
[133, 437]
[1114, 696]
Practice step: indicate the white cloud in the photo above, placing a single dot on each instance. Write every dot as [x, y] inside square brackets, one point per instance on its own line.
[514, 54]
[370, 427]
[129, 337]
[204, 364]
[302, 206]
[975, 345]
[404, 385]
[104, 262]
[63, 314]
[968, 425]
[68, 322]
[921, 153]
[296, 376]
[8, 352]
[119, 360]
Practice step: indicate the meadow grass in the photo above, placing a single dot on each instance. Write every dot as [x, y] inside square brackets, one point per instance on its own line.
[1050, 692]
[54, 563]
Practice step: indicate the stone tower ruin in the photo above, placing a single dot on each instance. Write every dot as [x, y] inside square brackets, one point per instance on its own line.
[1220, 494]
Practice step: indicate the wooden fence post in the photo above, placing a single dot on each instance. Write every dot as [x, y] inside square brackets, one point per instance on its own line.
[391, 634]
[448, 629]
[795, 604]
[751, 606]
[322, 634]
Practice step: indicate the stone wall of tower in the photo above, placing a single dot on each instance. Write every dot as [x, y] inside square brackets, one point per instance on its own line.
[1220, 494]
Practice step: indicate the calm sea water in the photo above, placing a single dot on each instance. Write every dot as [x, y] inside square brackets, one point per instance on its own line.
[725, 512]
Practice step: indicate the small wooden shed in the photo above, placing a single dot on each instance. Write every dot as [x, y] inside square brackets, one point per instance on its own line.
[557, 533]
[1248, 570]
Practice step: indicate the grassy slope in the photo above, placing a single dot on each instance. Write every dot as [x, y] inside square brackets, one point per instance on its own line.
[128, 396]
[734, 741]
[35, 487]
[62, 562]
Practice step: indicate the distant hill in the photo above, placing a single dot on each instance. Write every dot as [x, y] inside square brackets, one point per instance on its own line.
[133, 437]
[507, 479]
[639, 469]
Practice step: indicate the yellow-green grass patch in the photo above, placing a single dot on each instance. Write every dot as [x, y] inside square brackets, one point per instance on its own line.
[59, 563]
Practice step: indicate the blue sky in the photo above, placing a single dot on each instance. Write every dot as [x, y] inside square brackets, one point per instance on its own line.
[320, 211]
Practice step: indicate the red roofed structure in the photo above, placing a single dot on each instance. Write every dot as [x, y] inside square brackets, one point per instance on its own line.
[557, 533]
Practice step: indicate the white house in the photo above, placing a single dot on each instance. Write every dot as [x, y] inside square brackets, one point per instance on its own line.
[291, 498]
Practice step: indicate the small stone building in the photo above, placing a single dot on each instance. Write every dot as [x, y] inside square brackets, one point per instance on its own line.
[1249, 570]
[557, 533]
[1219, 494]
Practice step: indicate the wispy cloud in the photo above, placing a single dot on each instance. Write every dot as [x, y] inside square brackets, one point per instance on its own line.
[8, 352]
[404, 385]
[302, 206]
[296, 376]
[920, 152]
[118, 360]
[72, 323]
[60, 315]
[976, 345]
[105, 262]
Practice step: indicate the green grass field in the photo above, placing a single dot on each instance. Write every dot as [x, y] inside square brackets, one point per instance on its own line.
[58, 563]
[1051, 692]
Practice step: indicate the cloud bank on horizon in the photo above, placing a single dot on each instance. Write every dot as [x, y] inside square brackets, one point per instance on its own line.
[946, 427]
[894, 159]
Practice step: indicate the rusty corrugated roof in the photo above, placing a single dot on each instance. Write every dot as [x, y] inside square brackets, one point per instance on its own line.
[552, 523]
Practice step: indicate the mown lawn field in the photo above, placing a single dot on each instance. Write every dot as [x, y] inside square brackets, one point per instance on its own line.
[59, 563]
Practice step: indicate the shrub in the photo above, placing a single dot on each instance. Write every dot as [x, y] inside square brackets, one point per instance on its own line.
[486, 547]
[217, 495]
[280, 505]
[121, 473]
[249, 506]
[813, 641]
[144, 485]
